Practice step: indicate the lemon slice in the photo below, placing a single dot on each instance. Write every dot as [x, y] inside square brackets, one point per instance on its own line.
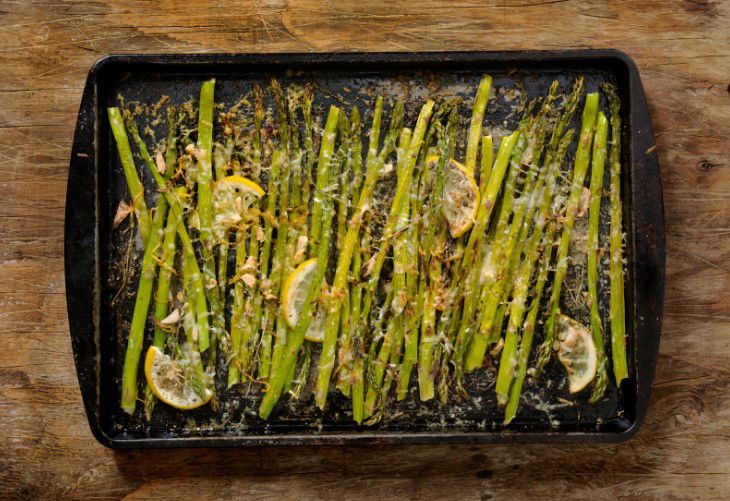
[577, 353]
[232, 198]
[315, 331]
[293, 296]
[167, 380]
[460, 198]
[296, 288]
[241, 184]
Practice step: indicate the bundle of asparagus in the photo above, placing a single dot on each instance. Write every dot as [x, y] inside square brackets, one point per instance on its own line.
[262, 277]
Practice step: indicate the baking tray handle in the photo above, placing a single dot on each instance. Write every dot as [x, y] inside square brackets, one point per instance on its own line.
[81, 254]
[649, 247]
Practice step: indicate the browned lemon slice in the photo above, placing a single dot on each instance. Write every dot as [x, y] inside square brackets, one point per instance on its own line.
[232, 198]
[459, 199]
[296, 288]
[168, 382]
[293, 296]
[577, 353]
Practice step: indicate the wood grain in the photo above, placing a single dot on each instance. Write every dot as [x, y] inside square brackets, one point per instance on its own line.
[682, 48]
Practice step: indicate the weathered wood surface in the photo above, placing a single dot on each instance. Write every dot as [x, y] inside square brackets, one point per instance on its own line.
[682, 48]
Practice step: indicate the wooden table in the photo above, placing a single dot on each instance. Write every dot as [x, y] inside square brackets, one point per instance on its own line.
[682, 48]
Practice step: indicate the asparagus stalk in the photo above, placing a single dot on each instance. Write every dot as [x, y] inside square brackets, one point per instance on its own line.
[507, 250]
[616, 269]
[345, 160]
[280, 102]
[173, 200]
[322, 184]
[166, 263]
[176, 207]
[204, 155]
[308, 142]
[378, 389]
[279, 266]
[358, 175]
[556, 148]
[189, 320]
[296, 338]
[136, 190]
[264, 369]
[254, 301]
[428, 361]
[528, 328]
[392, 374]
[221, 160]
[326, 362]
[345, 353]
[432, 182]
[397, 208]
[139, 316]
[508, 359]
[410, 355]
[201, 380]
[582, 156]
[486, 163]
[352, 351]
[167, 259]
[377, 411]
[399, 294]
[374, 164]
[250, 326]
[416, 284]
[298, 224]
[484, 212]
[477, 118]
[351, 310]
[425, 356]
[298, 228]
[415, 291]
[300, 382]
[236, 365]
[597, 164]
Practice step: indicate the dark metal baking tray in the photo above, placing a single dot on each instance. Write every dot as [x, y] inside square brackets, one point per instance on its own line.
[95, 186]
